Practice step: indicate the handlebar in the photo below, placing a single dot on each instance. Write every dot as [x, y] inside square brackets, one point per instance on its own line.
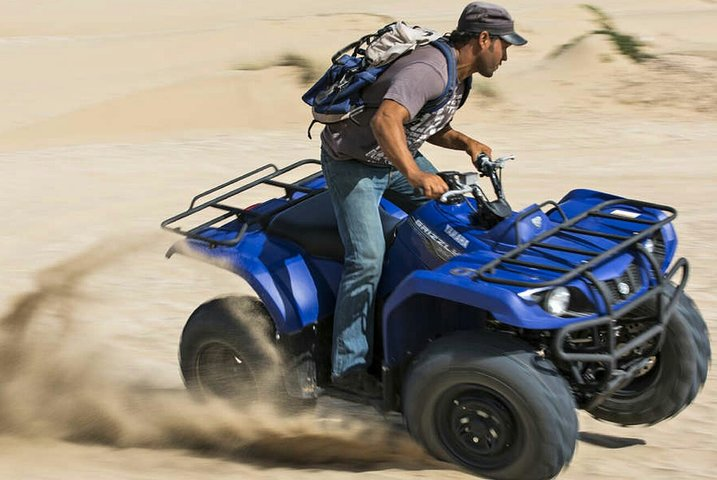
[462, 183]
[487, 213]
[485, 165]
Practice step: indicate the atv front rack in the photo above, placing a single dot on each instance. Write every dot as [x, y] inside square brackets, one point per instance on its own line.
[590, 260]
[606, 348]
[244, 217]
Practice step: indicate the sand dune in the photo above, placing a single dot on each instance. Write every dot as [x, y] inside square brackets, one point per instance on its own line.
[217, 103]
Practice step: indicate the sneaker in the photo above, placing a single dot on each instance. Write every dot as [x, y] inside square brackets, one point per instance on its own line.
[359, 382]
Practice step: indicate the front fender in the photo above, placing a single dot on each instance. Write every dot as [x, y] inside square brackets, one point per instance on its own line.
[428, 303]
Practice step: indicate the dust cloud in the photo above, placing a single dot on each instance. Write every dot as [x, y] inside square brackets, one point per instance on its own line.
[57, 383]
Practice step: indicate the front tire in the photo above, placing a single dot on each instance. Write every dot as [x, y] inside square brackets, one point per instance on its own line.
[679, 372]
[489, 403]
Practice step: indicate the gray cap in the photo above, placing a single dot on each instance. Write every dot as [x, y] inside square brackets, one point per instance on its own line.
[480, 17]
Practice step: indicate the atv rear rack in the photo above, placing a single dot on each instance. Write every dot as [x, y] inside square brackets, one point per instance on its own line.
[591, 259]
[245, 217]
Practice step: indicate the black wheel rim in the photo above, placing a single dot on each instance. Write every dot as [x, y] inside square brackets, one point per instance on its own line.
[644, 382]
[478, 426]
[641, 384]
[222, 372]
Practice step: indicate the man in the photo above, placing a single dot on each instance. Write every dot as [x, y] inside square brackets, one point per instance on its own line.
[378, 151]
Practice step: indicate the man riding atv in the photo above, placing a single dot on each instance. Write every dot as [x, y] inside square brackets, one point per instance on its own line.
[377, 150]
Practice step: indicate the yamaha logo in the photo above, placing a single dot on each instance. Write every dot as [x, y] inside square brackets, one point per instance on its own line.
[623, 288]
[537, 221]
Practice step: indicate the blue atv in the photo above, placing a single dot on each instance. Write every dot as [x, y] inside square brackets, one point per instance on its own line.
[492, 326]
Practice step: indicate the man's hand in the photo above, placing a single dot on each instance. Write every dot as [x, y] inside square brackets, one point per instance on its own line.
[431, 185]
[455, 140]
[475, 148]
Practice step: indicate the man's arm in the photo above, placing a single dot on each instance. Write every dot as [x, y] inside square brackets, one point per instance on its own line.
[387, 126]
[455, 140]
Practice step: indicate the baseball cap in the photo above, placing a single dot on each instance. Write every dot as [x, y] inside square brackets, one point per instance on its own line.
[483, 16]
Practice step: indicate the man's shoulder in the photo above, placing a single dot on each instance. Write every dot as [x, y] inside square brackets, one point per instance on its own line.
[426, 55]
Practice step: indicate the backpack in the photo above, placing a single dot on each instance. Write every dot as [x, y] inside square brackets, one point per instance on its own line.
[336, 96]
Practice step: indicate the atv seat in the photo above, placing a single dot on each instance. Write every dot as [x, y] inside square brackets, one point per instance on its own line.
[312, 224]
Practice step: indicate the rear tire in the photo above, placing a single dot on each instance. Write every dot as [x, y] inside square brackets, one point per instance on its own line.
[489, 403]
[226, 350]
[679, 373]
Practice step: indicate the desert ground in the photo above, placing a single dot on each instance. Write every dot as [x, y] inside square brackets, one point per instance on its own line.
[115, 113]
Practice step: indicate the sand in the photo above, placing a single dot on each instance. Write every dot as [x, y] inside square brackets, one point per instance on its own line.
[116, 113]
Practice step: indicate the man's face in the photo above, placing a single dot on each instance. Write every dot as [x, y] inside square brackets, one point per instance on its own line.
[493, 52]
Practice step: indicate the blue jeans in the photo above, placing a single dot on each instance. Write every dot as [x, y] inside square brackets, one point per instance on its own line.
[356, 190]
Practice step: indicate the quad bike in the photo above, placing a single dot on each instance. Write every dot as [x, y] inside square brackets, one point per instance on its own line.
[492, 326]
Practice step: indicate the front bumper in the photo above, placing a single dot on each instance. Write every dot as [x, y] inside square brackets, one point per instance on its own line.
[605, 349]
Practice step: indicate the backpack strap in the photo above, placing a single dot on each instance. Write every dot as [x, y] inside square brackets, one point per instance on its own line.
[440, 101]
[467, 84]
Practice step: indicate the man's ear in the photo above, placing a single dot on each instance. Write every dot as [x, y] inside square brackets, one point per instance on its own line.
[484, 40]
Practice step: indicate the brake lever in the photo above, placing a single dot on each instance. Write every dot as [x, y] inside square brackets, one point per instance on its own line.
[499, 162]
[452, 193]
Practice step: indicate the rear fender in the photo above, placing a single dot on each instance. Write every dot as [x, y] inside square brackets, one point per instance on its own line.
[294, 292]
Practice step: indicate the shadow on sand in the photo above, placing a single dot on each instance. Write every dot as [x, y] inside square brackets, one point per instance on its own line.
[609, 441]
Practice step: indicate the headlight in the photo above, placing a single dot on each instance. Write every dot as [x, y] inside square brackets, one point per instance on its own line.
[650, 245]
[557, 301]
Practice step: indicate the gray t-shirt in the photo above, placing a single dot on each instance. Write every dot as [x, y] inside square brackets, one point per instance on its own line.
[412, 81]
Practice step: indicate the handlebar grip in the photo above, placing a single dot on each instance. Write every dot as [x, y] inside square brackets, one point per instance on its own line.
[483, 163]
